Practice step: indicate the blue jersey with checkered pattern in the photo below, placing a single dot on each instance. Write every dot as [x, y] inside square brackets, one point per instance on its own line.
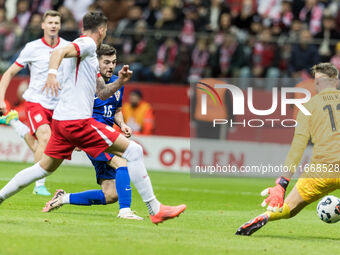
[105, 110]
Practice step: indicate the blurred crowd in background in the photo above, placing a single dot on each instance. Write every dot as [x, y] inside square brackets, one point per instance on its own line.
[181, 41]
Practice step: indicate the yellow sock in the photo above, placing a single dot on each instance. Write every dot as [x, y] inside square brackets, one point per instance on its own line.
[285, 214]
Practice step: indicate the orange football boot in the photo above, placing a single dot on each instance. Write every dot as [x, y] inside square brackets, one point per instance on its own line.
[167, 212]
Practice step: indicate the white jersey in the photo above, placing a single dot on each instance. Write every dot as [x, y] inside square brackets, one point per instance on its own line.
[79, 83]
[36, 55]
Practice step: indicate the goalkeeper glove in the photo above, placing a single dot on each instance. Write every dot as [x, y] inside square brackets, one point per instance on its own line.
[276, 195]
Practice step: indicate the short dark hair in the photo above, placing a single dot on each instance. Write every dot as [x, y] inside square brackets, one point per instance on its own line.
[51, 13]
[326, 68]
[106, 50]
[92, 20]
[137, 92]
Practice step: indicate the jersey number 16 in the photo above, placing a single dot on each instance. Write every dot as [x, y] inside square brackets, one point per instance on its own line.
[108, 111]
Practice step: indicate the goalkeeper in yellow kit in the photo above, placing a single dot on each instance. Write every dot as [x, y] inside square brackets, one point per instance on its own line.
[323, 173]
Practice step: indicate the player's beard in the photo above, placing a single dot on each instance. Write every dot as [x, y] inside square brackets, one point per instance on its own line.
[109, 75]
[106, 78]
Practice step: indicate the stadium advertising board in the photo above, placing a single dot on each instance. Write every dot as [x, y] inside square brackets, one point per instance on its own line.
[173, 154]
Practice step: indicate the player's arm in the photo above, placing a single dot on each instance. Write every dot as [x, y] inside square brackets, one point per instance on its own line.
[277, 193]
[295, 153]
[119, 120]
[104, 91]
[57, 56]
[6, 79]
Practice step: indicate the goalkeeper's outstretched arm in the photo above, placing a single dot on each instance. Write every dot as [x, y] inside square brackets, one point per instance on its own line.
[276, 194]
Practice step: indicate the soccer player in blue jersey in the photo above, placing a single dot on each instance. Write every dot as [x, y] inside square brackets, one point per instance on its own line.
[111, 171]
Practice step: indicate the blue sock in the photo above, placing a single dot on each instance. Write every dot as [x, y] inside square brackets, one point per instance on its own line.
[123, 187]
[89, 197]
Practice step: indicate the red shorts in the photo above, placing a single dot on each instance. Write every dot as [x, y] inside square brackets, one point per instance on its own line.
[37, 116]
[89, 135]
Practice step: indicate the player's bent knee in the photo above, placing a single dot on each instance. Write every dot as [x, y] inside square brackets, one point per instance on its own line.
[137, 150]
[134, 152]
[49, 164]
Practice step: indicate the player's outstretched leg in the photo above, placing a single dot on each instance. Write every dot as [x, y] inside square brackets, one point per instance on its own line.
[111, 190]
[133, 153]
[25, 177]
[293, 205]
[90, 197]
[258, 222]
[107, 195]
[85, 198]
[253, 225]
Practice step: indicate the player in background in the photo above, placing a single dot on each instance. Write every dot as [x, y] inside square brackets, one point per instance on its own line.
[19, 115]
[138, 114]
[108, 166]
[72, 123]
[39, 107]
[323, 126]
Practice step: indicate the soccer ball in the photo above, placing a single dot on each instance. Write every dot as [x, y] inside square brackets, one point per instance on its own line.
[328, 209]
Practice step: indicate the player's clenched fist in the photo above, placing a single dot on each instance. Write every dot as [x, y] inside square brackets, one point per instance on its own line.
[126, 130]
[276, 195]
[52, 85]
[125, 74]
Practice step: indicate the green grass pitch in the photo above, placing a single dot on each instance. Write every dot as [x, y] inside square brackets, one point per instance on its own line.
[216, 208]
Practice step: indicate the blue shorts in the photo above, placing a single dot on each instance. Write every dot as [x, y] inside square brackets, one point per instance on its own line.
[103, 170]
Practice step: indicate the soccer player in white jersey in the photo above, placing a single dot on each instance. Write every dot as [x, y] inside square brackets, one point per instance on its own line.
[72, 123]
[38, 106]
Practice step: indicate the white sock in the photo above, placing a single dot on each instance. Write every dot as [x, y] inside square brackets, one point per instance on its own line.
[22, 179]
[124, 210]
[66, 199]
[20, 128]
[40, 182]
[153, 206]
[139, 176]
